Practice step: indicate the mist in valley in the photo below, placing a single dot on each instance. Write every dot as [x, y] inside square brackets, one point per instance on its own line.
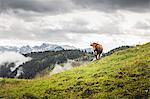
[10, 61]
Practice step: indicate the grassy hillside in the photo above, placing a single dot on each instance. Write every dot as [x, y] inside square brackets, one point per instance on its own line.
[125, 74]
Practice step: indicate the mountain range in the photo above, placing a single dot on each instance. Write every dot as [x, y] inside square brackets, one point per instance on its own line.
[41, 48]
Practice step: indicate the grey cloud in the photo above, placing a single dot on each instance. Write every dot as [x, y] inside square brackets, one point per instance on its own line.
[38, 32]
[51, 6]
[143, 25]
[28, 8]
[77, 26]
[38, 36]
[113, 5]
[110, 28]
[65, 6]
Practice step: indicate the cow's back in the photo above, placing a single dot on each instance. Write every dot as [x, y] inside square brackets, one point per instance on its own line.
[99, 48]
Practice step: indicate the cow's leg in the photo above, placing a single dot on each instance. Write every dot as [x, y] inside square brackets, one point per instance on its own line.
[99, 56]
[96, 56]
[95, 53]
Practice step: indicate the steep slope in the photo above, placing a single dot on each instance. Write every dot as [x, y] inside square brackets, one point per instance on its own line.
[124, 74]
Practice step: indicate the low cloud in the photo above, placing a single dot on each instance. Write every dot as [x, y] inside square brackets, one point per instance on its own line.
[12, 61]
[13, 57]
[58, 68]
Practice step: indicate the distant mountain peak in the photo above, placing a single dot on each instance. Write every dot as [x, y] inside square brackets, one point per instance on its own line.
[68, 47]
[45, 45]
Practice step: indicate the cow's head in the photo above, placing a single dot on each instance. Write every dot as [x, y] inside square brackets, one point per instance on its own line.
[93, 45]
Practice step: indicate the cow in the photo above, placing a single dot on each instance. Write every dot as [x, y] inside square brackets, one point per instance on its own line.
[98, 49]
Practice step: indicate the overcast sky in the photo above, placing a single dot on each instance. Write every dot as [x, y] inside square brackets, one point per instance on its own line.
[75, 22]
